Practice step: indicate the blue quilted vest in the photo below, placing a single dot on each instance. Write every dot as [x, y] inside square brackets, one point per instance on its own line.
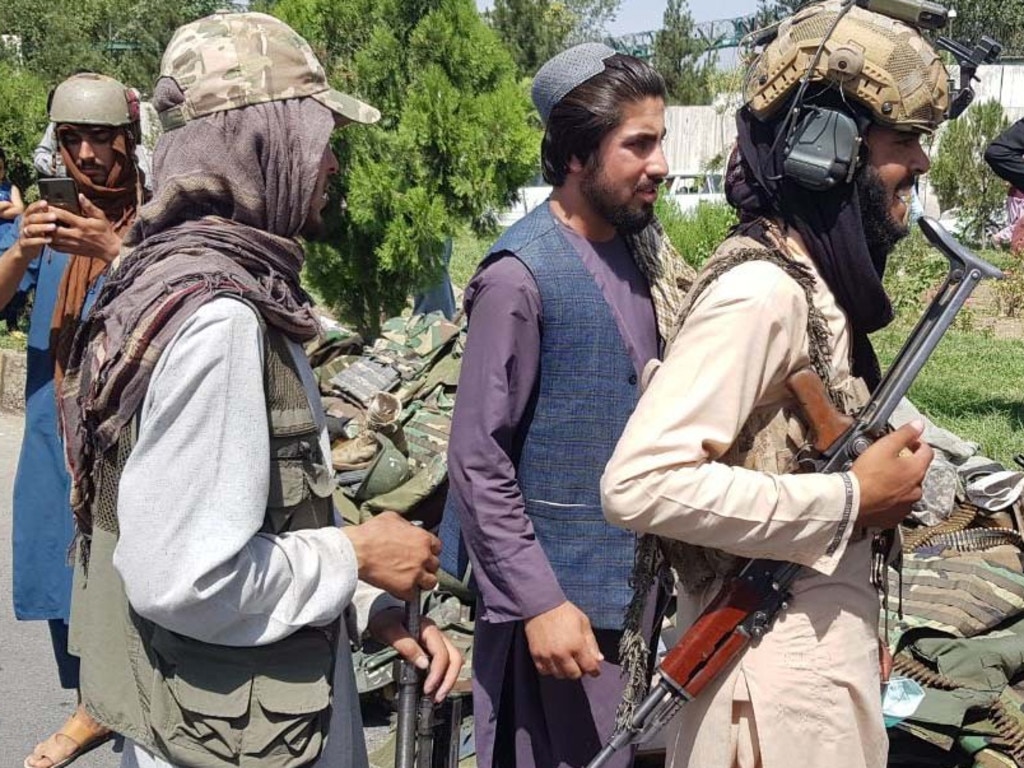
[586, 391]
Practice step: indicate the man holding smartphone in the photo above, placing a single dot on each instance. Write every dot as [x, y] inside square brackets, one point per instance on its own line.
[65, 243]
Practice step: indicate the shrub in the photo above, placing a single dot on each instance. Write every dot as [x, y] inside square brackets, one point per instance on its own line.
[1010, 292]
[697, 233]
[914, 271]
[961, 177]
[22, 120]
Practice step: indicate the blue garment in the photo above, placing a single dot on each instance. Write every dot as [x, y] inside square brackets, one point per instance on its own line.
[43, 523]
[439, 297]
[586, 390]
[7, 229]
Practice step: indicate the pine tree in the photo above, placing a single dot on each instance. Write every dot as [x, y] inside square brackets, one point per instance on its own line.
[683, 59]
[455, 142]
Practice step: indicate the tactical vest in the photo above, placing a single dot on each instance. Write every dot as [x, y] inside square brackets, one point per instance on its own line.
[195, 703]
[586, 390]
[771, 438]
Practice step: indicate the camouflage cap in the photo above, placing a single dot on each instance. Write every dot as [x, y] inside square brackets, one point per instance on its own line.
[884, 64]
[231, 60]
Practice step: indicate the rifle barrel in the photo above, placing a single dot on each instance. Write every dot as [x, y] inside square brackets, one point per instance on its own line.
[408, 694]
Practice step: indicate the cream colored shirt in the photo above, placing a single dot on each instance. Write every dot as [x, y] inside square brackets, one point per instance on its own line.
[812, 682]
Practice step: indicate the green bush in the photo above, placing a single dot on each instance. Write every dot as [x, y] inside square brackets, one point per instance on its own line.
[22, 120]
[697, 233]
[961, 177]
[914, 270]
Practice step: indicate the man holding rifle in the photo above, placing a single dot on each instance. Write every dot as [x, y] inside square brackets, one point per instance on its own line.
[821, 178]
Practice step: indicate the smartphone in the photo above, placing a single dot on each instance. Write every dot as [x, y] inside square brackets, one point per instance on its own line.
[60, 193]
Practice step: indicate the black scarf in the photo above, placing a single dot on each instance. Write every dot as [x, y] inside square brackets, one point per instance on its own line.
[829, 223]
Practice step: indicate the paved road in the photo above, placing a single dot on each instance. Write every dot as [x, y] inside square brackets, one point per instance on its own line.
[32, 704]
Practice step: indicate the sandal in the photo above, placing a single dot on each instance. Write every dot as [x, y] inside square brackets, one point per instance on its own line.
[80, 732]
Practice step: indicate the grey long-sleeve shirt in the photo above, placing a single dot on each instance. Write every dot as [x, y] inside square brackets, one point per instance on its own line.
[192, 500]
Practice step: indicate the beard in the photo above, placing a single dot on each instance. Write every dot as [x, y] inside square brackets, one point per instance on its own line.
[600, 194]
[881, 230]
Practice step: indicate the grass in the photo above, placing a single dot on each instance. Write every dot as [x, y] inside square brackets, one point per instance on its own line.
[468, 251]
[12, 340]
[971, 386]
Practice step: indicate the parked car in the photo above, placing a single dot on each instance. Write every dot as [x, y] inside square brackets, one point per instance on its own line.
[688, 189]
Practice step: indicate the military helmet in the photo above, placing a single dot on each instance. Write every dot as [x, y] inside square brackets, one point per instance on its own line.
[880, 62]
[91, 99]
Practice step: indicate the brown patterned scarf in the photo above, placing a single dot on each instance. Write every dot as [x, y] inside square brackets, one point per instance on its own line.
[232, 192]
[119, 198]
[668, 276]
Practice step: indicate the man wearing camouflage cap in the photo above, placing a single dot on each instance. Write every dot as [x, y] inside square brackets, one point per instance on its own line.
[703, 462]
[564, 313]
[59, 256]
[216, 595]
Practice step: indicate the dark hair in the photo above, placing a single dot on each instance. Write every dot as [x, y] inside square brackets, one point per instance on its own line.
[3, 156]
[589, 111]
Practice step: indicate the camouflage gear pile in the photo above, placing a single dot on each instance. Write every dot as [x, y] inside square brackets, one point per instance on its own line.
[91, 99]
[389, 406]
[884, 64]
[961, 630]
[231, 60]
[392, 407]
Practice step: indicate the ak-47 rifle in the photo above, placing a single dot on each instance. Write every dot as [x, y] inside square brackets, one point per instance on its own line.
[748, 603]
[414, 731]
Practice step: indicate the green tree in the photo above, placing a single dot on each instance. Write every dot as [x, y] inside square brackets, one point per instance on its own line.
[535, 30]
[682, 58]
[455, 142]
[996, 18]
[22, 119]
[121, 38]
[960, 176]
[590, 18]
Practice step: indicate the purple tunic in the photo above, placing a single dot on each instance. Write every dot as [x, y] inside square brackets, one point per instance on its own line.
[543, 721]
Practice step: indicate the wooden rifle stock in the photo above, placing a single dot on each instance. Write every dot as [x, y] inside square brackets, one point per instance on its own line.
[826, 422]
[703, 651]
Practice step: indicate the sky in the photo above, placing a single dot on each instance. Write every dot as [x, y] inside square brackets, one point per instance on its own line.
[645, 15]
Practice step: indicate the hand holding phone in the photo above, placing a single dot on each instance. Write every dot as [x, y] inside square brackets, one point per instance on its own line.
[60, 193]
[68, 222]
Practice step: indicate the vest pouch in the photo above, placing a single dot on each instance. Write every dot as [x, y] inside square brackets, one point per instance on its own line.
[214, 706]
[295, 487]
[199, 702]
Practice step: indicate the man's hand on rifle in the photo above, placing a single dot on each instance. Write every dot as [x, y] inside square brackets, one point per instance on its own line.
[890, 474]
[563, 644]
[395, 555]
[434, 652]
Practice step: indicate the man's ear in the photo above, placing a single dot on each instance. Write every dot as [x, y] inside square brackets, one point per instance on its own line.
[575, 166]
